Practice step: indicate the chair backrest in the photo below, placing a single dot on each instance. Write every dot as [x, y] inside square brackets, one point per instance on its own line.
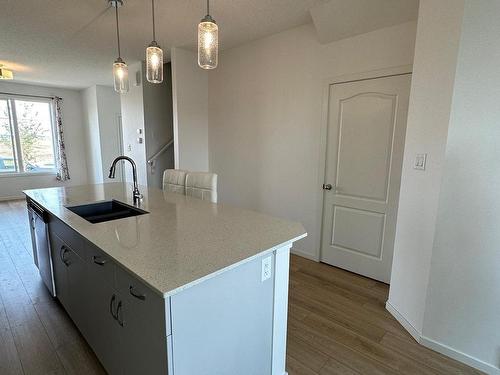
[202, 185]
[174, 181]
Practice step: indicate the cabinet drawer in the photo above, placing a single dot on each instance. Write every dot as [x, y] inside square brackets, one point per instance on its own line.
[101, 266]
[68, 235]
[59, 267]
[142, 302]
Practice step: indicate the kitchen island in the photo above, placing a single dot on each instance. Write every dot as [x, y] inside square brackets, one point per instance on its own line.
[182, 287]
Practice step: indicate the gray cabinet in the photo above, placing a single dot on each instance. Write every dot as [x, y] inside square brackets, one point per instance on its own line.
[125, 323]
[103, 334]
[128, 329]
[59, 253]
[104, 330]
[70, 278]
[144, 328]
[77, 297]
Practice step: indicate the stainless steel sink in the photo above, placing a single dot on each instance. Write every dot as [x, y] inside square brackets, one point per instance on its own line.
[106, 211]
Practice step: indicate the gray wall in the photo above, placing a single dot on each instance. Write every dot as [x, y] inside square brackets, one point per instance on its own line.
[148, 107]
[158, 124]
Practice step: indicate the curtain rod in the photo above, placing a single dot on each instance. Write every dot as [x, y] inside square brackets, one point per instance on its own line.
[30, 96]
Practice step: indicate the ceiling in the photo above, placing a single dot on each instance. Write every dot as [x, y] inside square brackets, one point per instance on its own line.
[359, 16]
[72, 43]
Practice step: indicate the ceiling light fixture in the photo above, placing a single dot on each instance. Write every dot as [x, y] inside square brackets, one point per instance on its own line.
[120, 69]
[154, 56]
[5, 73]
[208, 41]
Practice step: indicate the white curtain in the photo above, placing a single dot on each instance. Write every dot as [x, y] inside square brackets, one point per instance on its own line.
[61, 161]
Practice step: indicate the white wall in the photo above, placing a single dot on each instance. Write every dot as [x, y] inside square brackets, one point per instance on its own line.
[109, 112]
[132, 109]
[101, 107]
[190, 111]
[73, 134]
[265, 108]
[434, 68]
[463, 300]
[91, 126]
[445, 284]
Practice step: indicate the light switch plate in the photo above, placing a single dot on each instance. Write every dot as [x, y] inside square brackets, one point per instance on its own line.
[420, 161]
[267, 264]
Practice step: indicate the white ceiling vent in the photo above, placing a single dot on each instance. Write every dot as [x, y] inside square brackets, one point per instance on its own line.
[339, 19]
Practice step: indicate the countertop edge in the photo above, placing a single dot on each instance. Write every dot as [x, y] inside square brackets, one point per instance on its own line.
[232, 266]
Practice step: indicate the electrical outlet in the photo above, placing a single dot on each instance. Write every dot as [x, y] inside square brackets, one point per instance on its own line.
[420, 161]
[267, 268]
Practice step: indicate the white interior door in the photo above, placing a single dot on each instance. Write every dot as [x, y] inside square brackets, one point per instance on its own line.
[366, 131]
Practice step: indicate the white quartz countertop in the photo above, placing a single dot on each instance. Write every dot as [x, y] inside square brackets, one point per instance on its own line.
[182, 241]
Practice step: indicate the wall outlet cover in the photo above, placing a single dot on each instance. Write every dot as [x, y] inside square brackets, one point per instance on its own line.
[267, 272]
[420, 161]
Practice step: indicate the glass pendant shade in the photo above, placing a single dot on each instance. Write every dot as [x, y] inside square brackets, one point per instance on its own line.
[120, 74]
[208, 43]
[5, 73]
[154, 63]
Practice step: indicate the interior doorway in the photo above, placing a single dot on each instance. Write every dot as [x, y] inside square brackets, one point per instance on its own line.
[366, 127]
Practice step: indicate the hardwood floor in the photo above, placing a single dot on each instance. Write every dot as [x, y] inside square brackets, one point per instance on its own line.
[337, 320]
[36, 334]
[338, 325]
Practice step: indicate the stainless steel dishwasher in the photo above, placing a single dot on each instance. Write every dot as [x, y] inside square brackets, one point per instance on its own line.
[41, 245]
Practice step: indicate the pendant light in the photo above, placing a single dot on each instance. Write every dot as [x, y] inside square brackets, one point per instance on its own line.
[5, 73]
[120, 68]
[154, 56]
[208, 41]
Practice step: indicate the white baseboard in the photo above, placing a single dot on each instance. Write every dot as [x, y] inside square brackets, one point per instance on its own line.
[303, 254]
[402, 320]
[459, 356]
[441, 348]
[14, 198]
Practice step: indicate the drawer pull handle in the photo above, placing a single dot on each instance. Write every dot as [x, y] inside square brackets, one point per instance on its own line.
[98, 261]
[62, 253]
[142, 297]
[118, 310]
[111, 306]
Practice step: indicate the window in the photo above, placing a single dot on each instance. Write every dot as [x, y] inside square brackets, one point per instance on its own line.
[26, 136]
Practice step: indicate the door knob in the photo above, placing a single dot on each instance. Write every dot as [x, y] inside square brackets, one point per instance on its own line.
[327, 187]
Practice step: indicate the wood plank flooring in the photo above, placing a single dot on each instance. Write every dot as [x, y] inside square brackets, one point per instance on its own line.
[337, 320]
[37, 336]
[338, 324]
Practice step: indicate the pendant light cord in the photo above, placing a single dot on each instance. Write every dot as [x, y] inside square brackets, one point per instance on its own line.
[154, 25]
[208, 7]
[117, 31]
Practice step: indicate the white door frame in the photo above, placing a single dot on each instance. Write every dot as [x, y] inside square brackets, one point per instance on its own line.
[346, 78]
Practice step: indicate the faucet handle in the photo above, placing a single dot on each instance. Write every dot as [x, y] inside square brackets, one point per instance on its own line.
[137, 195]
